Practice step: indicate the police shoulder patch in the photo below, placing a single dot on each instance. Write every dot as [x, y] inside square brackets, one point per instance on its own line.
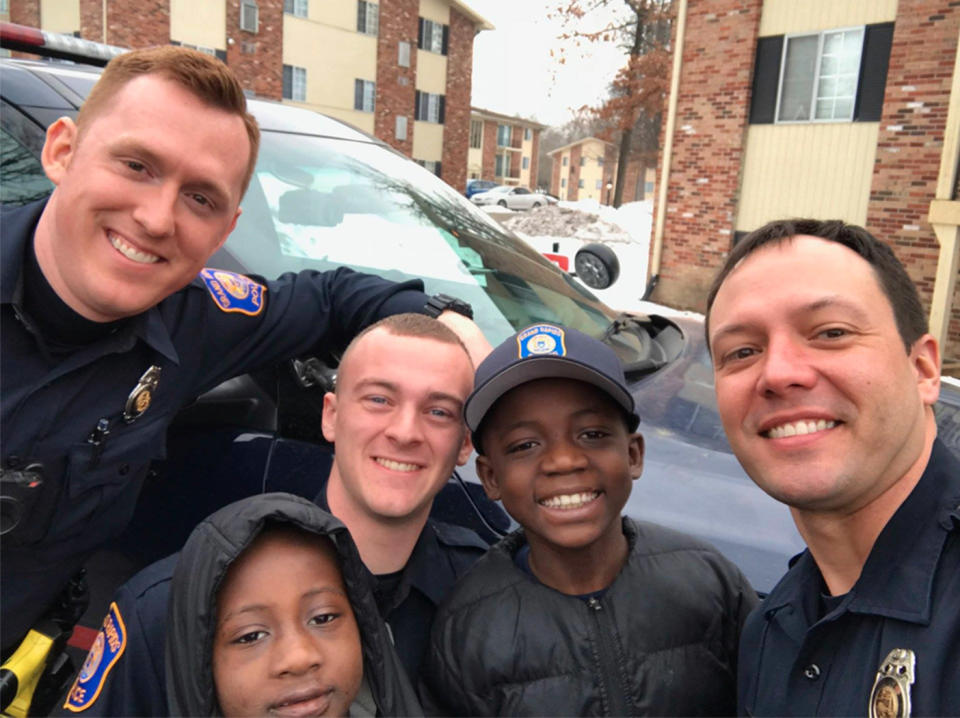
[233, 292]
[105, 652]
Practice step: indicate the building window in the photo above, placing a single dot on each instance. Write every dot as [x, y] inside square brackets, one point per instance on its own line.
[580, 184]
[429, 107]
[583, 161]
[364, 93]
[294, 83]
[249, 16]
[200, 48]
[368, 17]
[400, 131]
[5, 8]
[819, 76]
[476, 133]
[526, 163]
[599, 184]
[565, 161]
[503, 135]
[298, 8]
[433, 36]
[403, 54]
[599, 161]
[527, 134]
[563, 182]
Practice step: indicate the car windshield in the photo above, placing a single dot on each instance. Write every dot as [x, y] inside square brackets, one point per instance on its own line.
[320, 202]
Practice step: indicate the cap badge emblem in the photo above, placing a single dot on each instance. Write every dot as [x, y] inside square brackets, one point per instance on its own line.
[541, 340]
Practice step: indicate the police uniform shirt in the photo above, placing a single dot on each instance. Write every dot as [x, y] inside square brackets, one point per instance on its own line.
[135, 684]
[52, 403]
[793, 661]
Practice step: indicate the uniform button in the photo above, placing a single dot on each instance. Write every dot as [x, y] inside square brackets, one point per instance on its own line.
[13, 462]
[812, 672]
[124, 469]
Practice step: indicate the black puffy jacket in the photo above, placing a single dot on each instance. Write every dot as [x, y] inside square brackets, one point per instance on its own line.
[662, 640]
[191, 613]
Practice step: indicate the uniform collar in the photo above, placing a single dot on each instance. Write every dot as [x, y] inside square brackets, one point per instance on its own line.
[19, 226]
[897, 579]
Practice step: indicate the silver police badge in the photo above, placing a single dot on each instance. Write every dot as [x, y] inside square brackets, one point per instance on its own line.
[142, 395]
[890, 697]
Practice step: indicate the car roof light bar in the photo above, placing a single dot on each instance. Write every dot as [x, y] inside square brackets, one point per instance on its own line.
[53, 44]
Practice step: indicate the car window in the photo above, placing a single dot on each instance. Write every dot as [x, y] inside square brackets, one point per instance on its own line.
[22, 178]
[318, 203]
[521, 190]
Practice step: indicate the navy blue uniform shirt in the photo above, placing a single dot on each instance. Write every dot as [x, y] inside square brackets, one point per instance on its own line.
[52, 402]
[136, 683]
[793, 662]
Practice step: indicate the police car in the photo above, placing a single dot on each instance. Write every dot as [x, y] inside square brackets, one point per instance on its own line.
[325, 195]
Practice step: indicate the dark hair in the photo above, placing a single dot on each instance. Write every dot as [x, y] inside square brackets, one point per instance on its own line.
[894, 280]
[206, 77]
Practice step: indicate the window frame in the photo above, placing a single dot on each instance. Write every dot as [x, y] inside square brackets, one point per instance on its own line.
[361, 88]
[820, 35]
[368, 18]
[246, 5]
[298, 8]
[476, 131]
[294, 83]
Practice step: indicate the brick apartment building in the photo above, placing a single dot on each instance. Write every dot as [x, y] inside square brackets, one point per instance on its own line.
[398, 69]
[503, 149]
[587, 169]
[843, 109]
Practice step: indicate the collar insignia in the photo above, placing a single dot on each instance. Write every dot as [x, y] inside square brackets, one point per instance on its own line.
[142, 395]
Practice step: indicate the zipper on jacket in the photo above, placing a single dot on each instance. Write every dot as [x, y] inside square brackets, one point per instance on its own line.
[617, 703]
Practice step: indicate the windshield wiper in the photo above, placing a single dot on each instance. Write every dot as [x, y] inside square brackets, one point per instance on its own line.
[651, 356]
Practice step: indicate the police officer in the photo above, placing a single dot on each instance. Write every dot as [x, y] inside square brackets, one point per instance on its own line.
[396, 423]
[826, 379]
[110, 326]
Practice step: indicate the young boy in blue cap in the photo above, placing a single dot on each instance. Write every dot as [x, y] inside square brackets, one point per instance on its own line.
[581, 611]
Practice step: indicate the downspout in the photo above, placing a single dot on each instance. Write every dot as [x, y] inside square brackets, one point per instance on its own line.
[104, 11]
[661, 217]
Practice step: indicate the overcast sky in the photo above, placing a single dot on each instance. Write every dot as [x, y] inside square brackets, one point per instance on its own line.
[513, 72]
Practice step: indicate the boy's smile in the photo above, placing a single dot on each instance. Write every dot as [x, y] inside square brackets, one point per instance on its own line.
[558, 454]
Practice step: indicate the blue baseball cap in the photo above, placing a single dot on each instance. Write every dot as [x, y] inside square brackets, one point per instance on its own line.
[547, 351]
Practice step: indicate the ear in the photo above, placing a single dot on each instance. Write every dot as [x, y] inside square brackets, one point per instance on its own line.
[488, 478]
[329, 419]
[635, 449]
[925, 359]
[59, 148]
[466, 448]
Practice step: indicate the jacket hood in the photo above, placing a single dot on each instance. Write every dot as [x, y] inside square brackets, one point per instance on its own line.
[191, 615]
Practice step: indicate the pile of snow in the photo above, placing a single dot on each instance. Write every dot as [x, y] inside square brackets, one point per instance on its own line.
[565, 227]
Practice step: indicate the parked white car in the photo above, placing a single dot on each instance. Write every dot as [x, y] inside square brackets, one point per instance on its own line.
[511, 198]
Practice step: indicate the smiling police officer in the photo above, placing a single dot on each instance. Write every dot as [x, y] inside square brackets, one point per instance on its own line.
[826, 379]
[110, 323]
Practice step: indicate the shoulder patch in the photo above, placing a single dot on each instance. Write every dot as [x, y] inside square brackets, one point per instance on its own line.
[106, 651]
[233, 292]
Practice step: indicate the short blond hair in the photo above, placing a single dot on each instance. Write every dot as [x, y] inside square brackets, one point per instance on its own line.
[204, 76]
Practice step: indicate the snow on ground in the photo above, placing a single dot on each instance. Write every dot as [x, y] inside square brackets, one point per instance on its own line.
[567, 226]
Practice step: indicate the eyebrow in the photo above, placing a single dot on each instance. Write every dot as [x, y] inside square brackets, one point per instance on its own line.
[390, 386]
[815, 306]
[258, 607]
[127, 146]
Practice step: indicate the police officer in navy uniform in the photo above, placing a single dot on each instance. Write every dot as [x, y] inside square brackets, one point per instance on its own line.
[826, 379]
[109, 325]
[396, 424]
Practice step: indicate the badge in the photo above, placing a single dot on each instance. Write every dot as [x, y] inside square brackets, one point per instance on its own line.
[541, 340]
[142, 395]
[233, 292]
[890, 697]
[105, 652]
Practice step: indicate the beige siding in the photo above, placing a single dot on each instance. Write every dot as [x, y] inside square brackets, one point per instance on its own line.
[474, 162]
[60, 16]
[436, 10]
[431, 72]
[336, 13]
[427, 141]
[203, 24]
[348, 56]
[807, 170]
[782, 17]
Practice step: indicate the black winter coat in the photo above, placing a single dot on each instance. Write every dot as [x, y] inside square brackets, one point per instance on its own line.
[662, 640]
[191, 614]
